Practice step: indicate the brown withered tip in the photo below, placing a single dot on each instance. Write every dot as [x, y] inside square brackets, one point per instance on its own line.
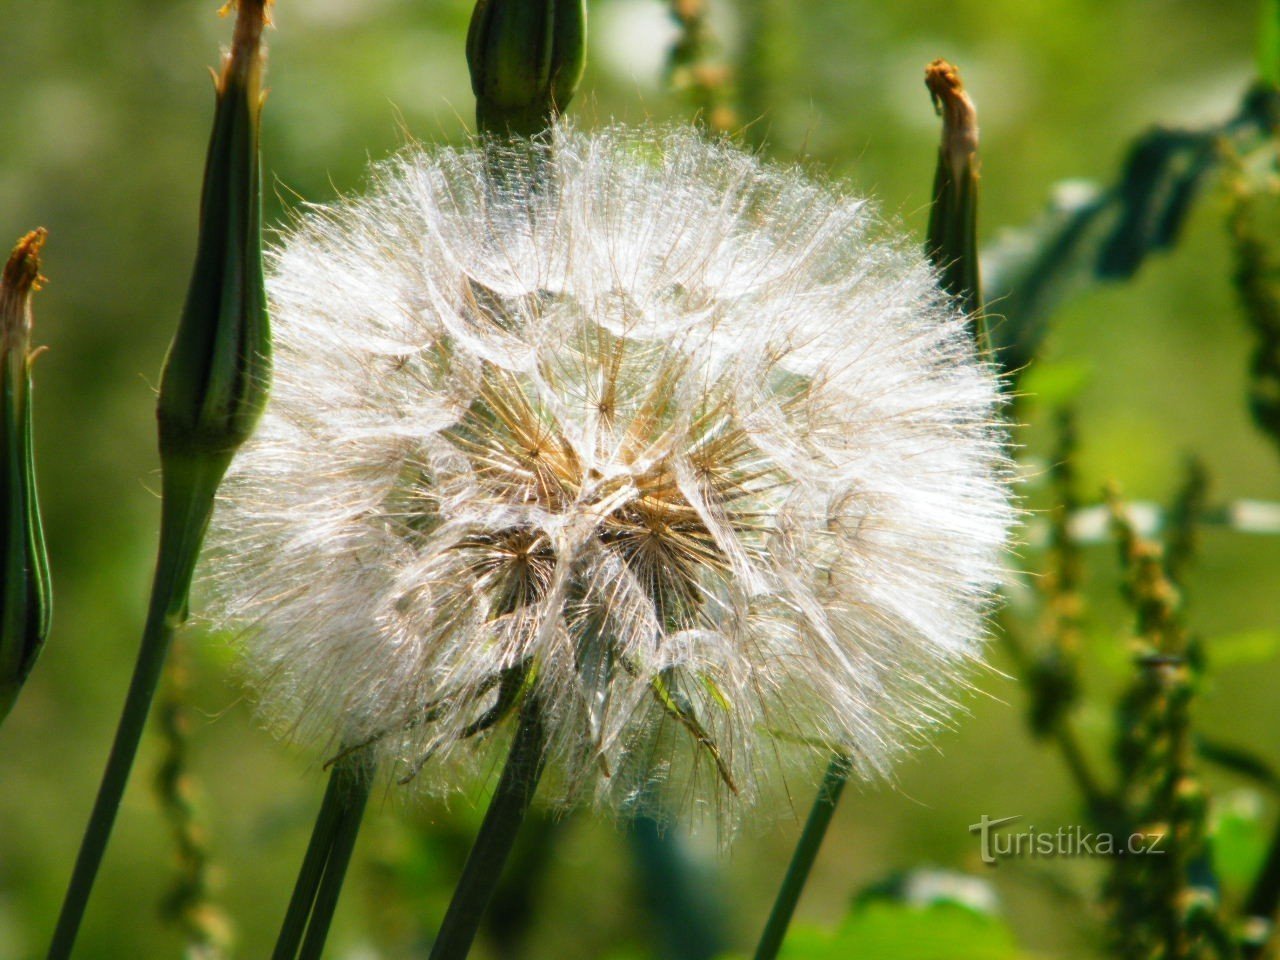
[244, 61]
[22, 272]
[953, 104]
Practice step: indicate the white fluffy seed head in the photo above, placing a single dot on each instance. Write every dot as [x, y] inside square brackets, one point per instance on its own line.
[676, 441]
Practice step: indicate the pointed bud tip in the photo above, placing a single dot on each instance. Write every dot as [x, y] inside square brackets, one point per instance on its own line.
[22, 272]
[244, 61]
[953, 104]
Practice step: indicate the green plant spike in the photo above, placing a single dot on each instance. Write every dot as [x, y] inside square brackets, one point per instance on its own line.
[213, 388]
[25, 600]
[1269, 43]
[952, 243]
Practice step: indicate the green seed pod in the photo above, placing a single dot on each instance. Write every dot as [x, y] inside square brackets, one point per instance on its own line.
[25, 596]
[217, 374]
[526, 59]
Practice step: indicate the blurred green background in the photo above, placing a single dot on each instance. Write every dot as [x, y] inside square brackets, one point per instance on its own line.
[102, 133]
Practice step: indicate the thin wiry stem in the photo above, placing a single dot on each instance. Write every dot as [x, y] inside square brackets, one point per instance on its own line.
[802, 860]
[185, 515]
[493, 843]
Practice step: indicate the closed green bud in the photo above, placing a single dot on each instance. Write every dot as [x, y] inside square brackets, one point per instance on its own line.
[24, 594]
[526, 59]
[218, 369]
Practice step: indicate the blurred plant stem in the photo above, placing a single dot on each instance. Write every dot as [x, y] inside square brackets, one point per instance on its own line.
[687, 917]
[212, 390]
[1269, 43]
[507, 811]
[802, 860]
[1164, 906]
[1252, 215]
[692, 67]
[189, 903]
[767, 49]
[1052, 673]
[952, 243]
[1257, 281]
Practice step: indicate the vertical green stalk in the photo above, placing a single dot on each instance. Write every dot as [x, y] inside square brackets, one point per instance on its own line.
[952, 247]
[312, 870]
[212, 390]
[507, 811]
[185, 514]
[802, 860]
[324, 867]
[952, 242]
[24, 590]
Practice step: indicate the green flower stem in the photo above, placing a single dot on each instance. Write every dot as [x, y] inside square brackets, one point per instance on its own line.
[187, 506]
[497, 834]
[312, 869]
[353, 782]
[802, 860]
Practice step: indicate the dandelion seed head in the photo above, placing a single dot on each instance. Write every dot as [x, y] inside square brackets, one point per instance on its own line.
[684, 444]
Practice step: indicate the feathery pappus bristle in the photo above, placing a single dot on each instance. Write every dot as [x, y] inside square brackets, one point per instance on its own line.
[681, 442]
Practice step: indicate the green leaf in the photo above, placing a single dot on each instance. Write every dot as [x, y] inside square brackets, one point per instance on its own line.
[1244, 649]
[1238, 832]
[1092, 235]
[1269, 43]
[883, 930]
[1059, 383]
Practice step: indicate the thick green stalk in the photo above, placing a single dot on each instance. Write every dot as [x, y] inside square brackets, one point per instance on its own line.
[802, 860]
[497, 834]
[185, 515]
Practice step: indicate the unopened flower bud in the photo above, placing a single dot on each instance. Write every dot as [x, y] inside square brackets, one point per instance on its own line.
[216, 375]
[24, 595]
[526, 58]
